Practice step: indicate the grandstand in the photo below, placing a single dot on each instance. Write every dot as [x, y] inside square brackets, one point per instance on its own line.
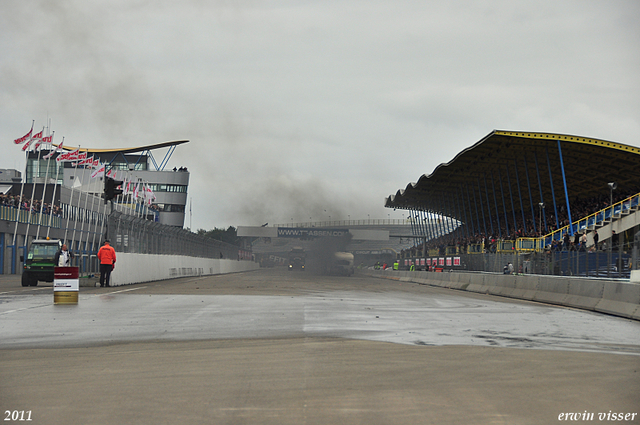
[537, 198]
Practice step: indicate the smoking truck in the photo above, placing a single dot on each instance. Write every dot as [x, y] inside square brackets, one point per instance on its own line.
[297, 258]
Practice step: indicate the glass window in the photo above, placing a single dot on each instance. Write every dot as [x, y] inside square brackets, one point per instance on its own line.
[39, 251]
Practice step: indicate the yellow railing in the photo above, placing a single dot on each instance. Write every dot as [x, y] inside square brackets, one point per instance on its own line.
[605, 215]
[475, 249]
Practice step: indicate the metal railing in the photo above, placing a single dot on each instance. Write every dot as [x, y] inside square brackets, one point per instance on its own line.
[599, 218]
[614, 263]
[10, 213]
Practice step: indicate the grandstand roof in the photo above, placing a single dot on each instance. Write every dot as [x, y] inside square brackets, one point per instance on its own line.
[130, 150]
[508, 166]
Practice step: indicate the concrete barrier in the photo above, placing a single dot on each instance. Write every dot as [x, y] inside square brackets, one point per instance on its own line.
[137, 268]
[526, 287]
[605, 296]
[621, 299]
[552, 290]
[584, 293]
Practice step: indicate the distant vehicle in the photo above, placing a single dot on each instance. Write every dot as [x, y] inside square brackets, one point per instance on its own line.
[40, 263]
[297, 258]
[341, 264]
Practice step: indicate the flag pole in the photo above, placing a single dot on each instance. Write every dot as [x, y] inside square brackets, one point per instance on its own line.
[66, 230]
[24, 177]
[86, 202]
[44, 187]
[33, 193]
[55, 187]
[93, 201]
[75, 222]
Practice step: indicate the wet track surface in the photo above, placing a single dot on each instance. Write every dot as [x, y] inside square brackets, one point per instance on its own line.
[273, 347]
[280, 304]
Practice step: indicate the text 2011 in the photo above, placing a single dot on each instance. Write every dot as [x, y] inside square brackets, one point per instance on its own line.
[17, 415]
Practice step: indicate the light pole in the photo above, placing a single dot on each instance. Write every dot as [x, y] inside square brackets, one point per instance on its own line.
[612, 186]
[541, 204]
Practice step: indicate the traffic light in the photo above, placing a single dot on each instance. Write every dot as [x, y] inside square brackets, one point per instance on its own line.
[111, 188]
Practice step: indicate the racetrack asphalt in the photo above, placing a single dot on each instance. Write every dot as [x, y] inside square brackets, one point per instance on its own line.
[323, 363]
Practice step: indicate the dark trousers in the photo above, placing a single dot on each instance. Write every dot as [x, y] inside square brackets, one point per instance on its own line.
[105, 273]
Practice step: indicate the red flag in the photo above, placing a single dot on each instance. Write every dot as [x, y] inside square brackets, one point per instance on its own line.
[25, 137]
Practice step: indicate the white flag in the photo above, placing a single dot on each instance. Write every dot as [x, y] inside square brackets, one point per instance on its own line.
[53, 151]
[99, 172]
[25, 137]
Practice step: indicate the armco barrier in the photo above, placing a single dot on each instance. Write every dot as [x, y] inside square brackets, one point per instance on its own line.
[605, 296]
[136, 268]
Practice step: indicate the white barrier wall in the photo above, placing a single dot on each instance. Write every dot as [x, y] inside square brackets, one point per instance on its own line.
[606, 296]
[137, 268]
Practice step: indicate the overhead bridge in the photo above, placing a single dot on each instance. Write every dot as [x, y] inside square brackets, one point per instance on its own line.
[313, 232]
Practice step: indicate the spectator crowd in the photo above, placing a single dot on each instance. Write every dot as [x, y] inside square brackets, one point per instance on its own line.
[579, 209]
[25, 204]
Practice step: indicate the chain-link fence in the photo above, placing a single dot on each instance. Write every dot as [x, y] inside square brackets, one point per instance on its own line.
[128, 234]
[137, 235]
[615, 261]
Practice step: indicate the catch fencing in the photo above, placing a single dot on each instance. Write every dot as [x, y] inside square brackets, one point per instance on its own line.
[128, 234]
[612, 262]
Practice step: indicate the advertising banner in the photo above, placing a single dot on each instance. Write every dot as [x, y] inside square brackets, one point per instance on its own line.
[292, 232]
[66, 285]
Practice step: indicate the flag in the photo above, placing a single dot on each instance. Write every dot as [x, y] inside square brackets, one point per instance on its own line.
[85, 162]
[26, 145]
[39, 139]
[37, 136]
[99, 172]
[150, 196]
[69, 156]
[53, 151]
[111, 173]
[25, 137]
[136, 192]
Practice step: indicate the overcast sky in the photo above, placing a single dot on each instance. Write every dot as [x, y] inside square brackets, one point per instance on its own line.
[310, 109]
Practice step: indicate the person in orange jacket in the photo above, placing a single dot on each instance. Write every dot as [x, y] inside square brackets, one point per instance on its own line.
[107, 257]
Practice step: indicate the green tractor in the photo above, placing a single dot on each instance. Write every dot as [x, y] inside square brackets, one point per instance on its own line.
[40, 261]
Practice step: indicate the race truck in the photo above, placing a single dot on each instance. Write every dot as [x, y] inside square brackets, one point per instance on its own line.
[341, 264]
[297, 258]
[40, 261]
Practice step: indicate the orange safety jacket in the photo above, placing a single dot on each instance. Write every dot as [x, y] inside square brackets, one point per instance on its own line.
[107, 255]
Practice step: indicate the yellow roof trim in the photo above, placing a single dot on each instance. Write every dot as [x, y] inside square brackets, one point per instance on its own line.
[569, 138]
[127, 150]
